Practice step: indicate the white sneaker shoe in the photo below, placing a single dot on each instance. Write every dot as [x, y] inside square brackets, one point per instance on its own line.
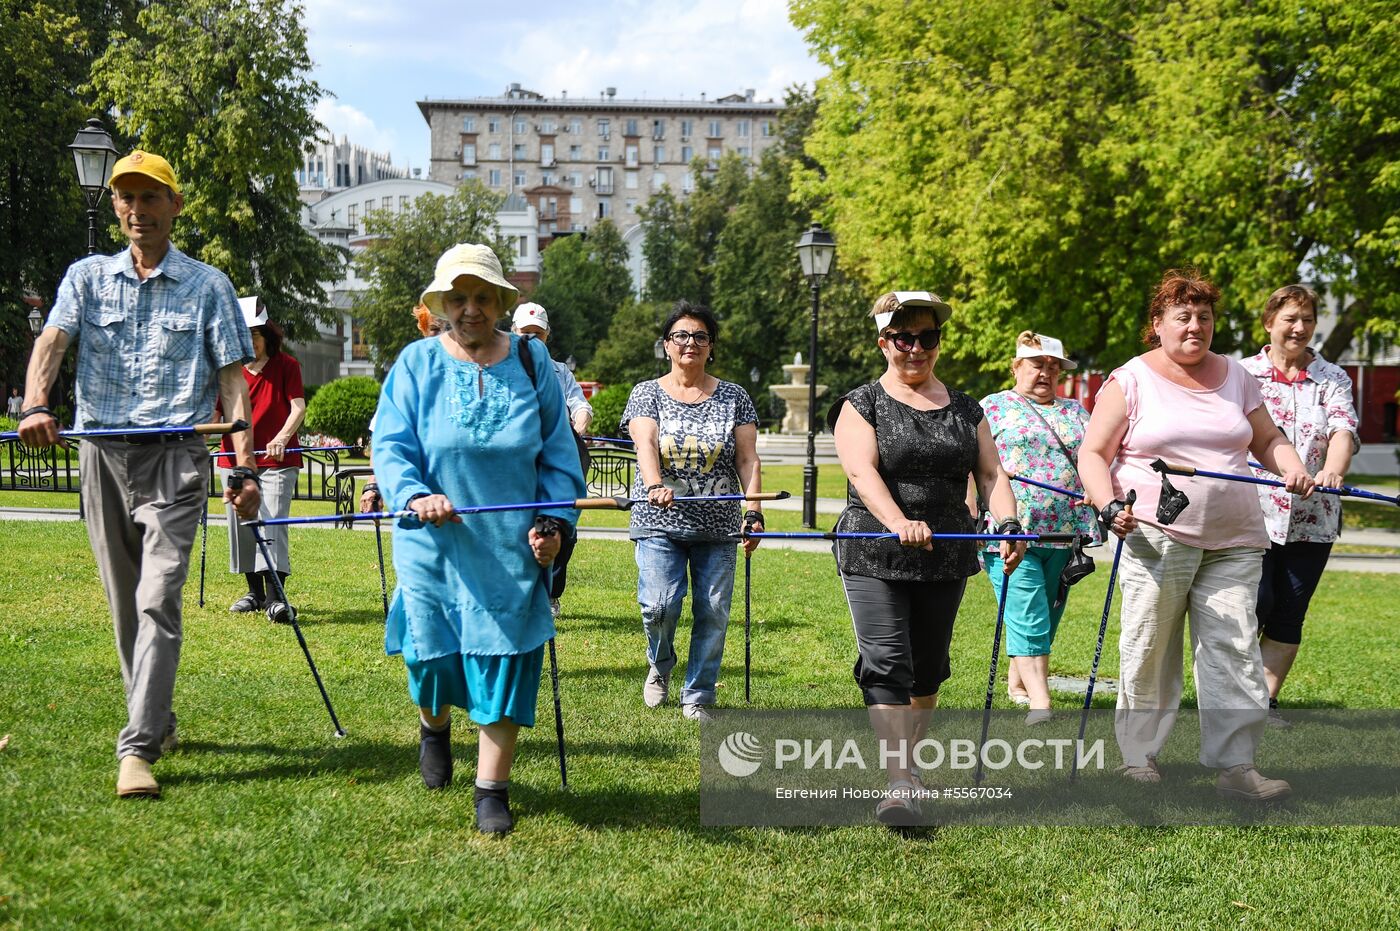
[656, 690]
[696, 713]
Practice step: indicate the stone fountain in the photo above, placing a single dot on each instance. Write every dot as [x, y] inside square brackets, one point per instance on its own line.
[794, 395]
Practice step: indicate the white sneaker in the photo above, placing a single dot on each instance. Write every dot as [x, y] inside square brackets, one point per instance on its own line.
[696, 713]
[656, 690]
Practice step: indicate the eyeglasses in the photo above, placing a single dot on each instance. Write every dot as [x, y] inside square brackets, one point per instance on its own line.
[681, 337]
[904, 341]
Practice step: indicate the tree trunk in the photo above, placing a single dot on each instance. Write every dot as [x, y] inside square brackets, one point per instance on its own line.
[1339, 340]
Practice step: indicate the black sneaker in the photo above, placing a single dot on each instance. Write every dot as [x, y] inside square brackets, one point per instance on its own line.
[246, 605]
[435, 756]
[493, 811]
[279, 612]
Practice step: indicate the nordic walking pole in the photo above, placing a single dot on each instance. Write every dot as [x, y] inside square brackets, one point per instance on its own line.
[992, 673]
[864, 535]
[293, 449]
[1348, 491]
[580, 504]
[383, 581]
[748, 601]
[548, 527]
[266, 550]
[203, 547]
[1098, 649]
[199, 429]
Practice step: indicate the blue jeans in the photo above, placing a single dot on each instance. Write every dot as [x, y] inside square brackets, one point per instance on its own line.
[661, 588]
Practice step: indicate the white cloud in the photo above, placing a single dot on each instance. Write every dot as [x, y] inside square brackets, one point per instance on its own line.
[344, 120]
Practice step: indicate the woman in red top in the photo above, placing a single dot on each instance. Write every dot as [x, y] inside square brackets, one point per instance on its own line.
[279, 405]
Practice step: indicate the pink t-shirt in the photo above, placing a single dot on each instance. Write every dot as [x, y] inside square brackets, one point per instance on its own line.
[1207, 429]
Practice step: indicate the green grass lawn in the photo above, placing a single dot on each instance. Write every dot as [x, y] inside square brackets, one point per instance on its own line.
[268, 821]
[831, 481]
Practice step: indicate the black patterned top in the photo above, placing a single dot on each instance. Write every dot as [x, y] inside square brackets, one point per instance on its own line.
[697, 449]
[925, 460]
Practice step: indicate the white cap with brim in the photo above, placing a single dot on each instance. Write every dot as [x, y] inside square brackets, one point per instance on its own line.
[1049, 346]
[941, 311]
[472, 260]
[531, 314]
[253, 313]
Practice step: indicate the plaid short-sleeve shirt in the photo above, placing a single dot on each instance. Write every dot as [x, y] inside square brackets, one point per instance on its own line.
[149, 352]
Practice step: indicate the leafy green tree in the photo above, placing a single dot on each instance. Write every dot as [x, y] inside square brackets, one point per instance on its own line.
[221, 88]
[627, 353]
[608, 406]
[584, 280]
[343, 408]
[673, 269]
[404, 249]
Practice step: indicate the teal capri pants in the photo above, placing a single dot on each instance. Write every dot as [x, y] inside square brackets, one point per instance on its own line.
[488, 687]
[1031, 616]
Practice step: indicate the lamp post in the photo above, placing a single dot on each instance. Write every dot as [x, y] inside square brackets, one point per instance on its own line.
[658, 349]
[816, 248]
[36, 321]
[94, 155]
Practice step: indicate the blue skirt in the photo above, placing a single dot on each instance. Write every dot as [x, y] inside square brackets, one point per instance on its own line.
[488, 687]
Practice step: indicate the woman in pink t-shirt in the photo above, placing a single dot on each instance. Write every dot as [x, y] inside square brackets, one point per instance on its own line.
[1183, 403]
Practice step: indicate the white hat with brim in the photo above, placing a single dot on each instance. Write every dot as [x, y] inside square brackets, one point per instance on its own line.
[924, 299]
[253, 314]
[472, 260]
[1049, 346]
[531, 314]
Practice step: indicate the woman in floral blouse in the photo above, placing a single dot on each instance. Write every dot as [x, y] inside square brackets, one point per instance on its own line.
[1311, 401]
[1037, 437]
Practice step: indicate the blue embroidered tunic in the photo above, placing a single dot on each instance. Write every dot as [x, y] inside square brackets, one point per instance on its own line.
[479, 435]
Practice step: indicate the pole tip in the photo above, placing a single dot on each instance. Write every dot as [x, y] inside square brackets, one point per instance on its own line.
[340, 733]
[238, 426]
[783, 496]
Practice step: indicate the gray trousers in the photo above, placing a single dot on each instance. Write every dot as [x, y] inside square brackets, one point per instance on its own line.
[143, 508]
[278, 484]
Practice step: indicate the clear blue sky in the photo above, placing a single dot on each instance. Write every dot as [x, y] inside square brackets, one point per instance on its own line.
[379, 58]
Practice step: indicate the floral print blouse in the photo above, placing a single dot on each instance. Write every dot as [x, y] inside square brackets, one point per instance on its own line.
[1309, 412]
[1028, 448]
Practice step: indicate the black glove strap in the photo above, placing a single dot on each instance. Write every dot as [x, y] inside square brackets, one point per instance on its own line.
[240, 474]
[372, 487]
[1010, 526]
[547, 526]
[1111, 511]
[752, 518]
[36, 409]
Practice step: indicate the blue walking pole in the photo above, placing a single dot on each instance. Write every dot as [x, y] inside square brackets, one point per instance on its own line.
[1098, 649]
[199, 429]
[885, 535]
[992, 674]
[1350, 491]
[294, 449]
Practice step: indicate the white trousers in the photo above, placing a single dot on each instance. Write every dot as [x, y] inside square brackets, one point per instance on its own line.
[278, 484]
[1163, 581]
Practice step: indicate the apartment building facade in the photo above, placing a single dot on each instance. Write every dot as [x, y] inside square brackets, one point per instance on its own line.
[578, 160]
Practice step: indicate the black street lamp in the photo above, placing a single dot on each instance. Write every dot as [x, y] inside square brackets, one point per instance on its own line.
[94, 155]
[816, 249]
[658, 349]
[36, 321]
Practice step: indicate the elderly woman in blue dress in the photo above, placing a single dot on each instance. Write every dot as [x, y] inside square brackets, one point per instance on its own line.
[1037, 436]
[462, 422]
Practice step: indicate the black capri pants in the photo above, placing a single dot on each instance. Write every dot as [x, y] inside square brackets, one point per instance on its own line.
[903, 631]
[1290, 576]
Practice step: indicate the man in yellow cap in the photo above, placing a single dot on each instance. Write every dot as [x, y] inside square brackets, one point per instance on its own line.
[159, 336]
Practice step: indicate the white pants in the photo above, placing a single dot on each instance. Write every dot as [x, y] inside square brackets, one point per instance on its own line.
[243, 555]
[1162, 582]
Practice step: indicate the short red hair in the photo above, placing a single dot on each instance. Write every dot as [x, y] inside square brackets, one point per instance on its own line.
[1178, 286]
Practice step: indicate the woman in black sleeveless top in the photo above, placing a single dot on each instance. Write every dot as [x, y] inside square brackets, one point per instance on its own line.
[908, 445]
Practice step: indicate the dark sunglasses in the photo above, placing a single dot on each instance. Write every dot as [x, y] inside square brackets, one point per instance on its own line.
[904, 341]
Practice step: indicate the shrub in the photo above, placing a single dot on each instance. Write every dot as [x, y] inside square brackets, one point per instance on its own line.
[343, 408]
[608, 406]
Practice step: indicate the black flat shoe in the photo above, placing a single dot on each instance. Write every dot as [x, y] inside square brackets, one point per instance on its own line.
[493, 811]
[435, 756]
[246, 605]
[279, 612]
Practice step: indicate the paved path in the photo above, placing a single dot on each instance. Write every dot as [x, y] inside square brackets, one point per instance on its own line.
[1343, 562]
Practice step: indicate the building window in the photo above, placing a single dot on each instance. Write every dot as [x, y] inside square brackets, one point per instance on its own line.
[631, 205]
[369, 207]
[714, 155]
[469, 154]
[522, 247]
[742, 127]
[687, 183]
[519, 179]
[575, 126]
[575, 179]
[493, 124]
[546, 154]
[546, 126]
[386, 203]
[658, 129]
[687, 153]
[404, 201]
[604, 208]
[352, 215]
[469, 124]
[549, 208]
[633, 156]
[603, 128]
[547, 177]
[687, 128]
[631, 180]
[468, 176]
[359, 349]
[658, 154]
[658, 180]
[631, 127]
[575, 153]
[575, 206]
[518, 150]
[744, 151]
[493, 177]
[602, 180]
[603, 153]
[493, 151]
[768, 127]
[716, 130]
[521, 126]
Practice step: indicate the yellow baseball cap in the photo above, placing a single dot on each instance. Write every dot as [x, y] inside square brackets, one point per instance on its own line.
[144, 163]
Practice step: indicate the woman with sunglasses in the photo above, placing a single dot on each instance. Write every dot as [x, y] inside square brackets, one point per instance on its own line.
[1038, 436]
[695, 435]
[909, 444]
